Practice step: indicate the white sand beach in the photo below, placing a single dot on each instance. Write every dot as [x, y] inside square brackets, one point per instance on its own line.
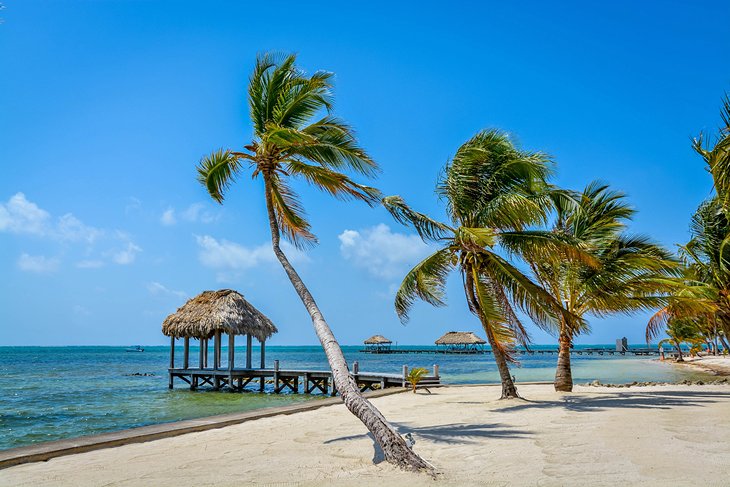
[719, 365]
[653, 435]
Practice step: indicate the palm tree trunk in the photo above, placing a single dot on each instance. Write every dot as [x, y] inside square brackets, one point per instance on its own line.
[394, 447]
[724, 343]
[680, 358]
[509, 390]
[563, 372]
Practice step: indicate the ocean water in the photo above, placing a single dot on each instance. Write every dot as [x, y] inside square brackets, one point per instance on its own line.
[50, 393]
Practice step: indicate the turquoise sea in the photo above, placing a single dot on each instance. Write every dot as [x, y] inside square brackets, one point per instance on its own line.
[50, 393]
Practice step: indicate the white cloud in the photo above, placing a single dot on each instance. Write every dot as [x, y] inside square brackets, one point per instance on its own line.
[229, 256]
[381, 252]
[19, 215]
[127, 255]
[157, 289]
[89, 264]
[168, 217]
[71, 228]
[37, 263]
[195, 213]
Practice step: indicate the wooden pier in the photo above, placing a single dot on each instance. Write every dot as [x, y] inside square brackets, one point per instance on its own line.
[581, 351]
[289, 380]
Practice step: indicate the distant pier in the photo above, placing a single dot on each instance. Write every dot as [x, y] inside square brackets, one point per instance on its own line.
[480, 351]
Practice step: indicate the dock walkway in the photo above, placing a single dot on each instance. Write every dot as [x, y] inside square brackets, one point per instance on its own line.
[284, 380]
[580, 351]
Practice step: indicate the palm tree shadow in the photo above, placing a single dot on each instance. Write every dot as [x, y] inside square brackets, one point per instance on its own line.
[627, 399]
[451, 434]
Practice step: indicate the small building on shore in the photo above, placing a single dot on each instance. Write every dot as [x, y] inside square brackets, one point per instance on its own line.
[377, 343]
[461, 341]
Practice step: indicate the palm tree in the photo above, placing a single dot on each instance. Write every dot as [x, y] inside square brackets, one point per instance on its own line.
[683, 330]
[703, 291]
[717, 156]
[493, 193]
[629, 273]
[289, 143]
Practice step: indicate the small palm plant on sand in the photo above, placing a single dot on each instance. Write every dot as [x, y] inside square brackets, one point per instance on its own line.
[290, 142]
[493, 193]
[628, 273]
[415, 376]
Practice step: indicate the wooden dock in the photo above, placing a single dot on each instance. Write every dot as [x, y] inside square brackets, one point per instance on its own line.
[581, 351]
[289, 380]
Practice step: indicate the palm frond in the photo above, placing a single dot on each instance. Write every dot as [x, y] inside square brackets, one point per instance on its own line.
[427, 281]
[427, 228]
[290, 214]
[334, 183]
[217, 171]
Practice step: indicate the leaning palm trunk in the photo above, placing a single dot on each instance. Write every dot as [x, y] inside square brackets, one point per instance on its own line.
[563, 373]
[394, 447]
[509, 390]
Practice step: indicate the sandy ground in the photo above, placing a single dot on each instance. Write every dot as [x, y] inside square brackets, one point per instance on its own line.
[719, 365]
[658, 435]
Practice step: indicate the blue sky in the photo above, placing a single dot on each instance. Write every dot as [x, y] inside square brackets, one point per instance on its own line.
[106, 107]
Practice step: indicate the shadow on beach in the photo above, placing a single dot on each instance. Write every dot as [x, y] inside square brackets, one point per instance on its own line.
[624, 399]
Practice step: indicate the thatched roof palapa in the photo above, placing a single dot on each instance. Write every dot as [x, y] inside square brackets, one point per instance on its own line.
[377, 340]
[460, 338]
[226, 311]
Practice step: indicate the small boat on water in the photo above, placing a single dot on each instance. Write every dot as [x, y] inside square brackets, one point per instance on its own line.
[135, 348]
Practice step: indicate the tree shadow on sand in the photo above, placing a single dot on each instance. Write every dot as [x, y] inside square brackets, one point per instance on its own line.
[451, 434]
[624, 399]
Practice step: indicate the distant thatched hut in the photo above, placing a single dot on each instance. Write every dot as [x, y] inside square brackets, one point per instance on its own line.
[377, 343]
[461, 341]
[211, 314]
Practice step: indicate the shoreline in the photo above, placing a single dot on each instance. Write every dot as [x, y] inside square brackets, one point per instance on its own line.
[716, 365]
[549, 438]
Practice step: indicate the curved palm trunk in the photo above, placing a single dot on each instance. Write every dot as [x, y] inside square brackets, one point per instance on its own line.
[680, 358]
[509, 390]
[563, 372]
[394, 447]
[724, 343]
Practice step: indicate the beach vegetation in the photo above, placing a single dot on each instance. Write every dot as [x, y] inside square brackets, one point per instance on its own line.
[297, 137]
[628, 273]
[415, 376]
[494, 192]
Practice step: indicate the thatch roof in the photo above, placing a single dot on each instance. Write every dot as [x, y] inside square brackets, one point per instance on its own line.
[224, 310]
[377, 340]
[460, 338]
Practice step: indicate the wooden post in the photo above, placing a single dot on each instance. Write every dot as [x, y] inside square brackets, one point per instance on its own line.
[186, 354]
[231, 349]
[172, 361]
[216, 350]
[202, 354]
[172, 352]
[405, 374]
[205, 353]
[262, 384]
[248, 350]
[436, 370]
[276, 376]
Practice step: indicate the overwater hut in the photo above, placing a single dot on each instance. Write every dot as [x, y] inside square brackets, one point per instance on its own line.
[461, 341]
[212, 314]
[377, 343]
